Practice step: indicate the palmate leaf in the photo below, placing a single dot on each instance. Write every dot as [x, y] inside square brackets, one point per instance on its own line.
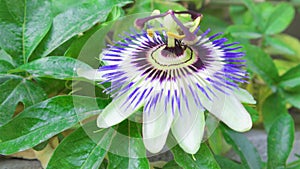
[16, 89]
[23, 24]
[84, 148]
[43, 120]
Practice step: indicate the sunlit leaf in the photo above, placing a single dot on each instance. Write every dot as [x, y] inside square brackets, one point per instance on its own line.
[243, 31]
[43, 120]
[57, 67]
[280, 18]
[291, 78]
[75, 20]
[23, 24]
[14, 90]
[277, 46]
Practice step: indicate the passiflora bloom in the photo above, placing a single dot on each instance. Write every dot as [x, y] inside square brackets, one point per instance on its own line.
[175, 75]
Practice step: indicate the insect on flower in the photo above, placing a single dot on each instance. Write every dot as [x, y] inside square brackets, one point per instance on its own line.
[174, 74]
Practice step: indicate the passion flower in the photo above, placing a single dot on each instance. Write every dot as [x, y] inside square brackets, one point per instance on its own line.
[174, 74]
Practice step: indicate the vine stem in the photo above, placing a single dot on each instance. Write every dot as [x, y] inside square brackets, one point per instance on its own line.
[239, 2]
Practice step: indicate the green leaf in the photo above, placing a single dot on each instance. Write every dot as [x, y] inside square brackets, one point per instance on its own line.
[214, 23]
[204, 158]
[294, 165]
[226, 163]
[244, 148]
[280, 141]
[164, 6]
[172, 165]
[293, 43]
[23, 24]
[277, 46]
[59, 6]
[291, 78]
[237, 13]
[46, 119]
[272, 108]
[127, 150]
[57, 67]
[76, 20]
[6, 57]
[254, 10]
[283, 66]
[216, 140]
[14, 90]
[5, 66]
[78, 43]
[84, 148]
[243, 31]
[262, 64]
[265, 10]
[293, 98]
[280, 19]
[253, 113]
[142, 6]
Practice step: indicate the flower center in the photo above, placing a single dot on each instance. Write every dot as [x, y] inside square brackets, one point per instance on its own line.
[175, 51]
[166, 58]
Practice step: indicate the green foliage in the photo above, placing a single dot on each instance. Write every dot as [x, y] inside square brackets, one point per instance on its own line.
[94, 146]
[23, 25]
[202, 159]
[280, 141]
[130, 144]
[43, 120]
[14, 90]
[248, 153]
[43, 49]
[55, 67]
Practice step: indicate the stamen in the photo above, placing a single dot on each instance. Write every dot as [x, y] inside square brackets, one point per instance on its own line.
[175, 36]
[190, 37]
[140, 23]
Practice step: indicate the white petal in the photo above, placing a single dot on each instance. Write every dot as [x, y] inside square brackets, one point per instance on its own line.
[156, 126]
[118, 110]
[229, 109]
[244, 96]
[188, 128]
[91, 74]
